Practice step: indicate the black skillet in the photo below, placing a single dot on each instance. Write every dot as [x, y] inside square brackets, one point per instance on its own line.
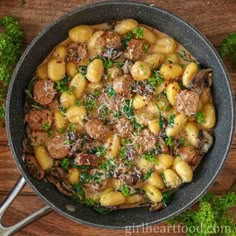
[167, 22]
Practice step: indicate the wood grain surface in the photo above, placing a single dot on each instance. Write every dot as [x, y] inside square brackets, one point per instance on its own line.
[214, 18]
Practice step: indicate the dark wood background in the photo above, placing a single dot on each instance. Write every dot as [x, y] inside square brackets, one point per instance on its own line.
[214, 18]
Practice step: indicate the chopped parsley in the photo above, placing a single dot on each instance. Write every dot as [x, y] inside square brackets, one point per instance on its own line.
[150, 156]
[169, 141]
[96, 93]
[171, 121]
[108, 166]
[148, 175]
[102, 111]
[78, 103]
[156, 79]
[185, 56]
[164, 180]
[125, 41]
[138, 33]
[79, 191]
[125, 189]
[108, 63]
[100, 151]
[228, 46]
[90, 103]
[145, 47]
[200, 117]
[86, 177]
[83, 70]
[65, 163]
[71, 127]
[47, 127]
[166, 197]
[62, 85]
[110, 92]
[70, 89]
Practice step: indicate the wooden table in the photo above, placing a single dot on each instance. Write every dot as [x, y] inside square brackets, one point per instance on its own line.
[214, 18]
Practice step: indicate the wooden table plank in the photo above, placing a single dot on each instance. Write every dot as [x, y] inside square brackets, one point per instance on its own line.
[214, 18]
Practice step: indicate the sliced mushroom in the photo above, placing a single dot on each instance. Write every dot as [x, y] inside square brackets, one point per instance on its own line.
[34, 168]
[205, 141]
[57, 172]
[201, 80]
[156, 207]
[65, 188]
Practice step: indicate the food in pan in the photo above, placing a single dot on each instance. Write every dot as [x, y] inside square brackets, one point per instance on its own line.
[118, 115]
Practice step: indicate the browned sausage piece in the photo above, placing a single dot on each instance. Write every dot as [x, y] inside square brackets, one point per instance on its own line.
[187, 102]
[34, 168]
[109, 39]
[57, 147]
[123, 85]
[44, 91]
[145, 141]
[76, 52]
[97, 130]
[135, 50]
[37, 120]
[124, 127]
[86, 160]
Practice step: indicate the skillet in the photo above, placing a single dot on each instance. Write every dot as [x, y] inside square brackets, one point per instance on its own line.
[40, 47]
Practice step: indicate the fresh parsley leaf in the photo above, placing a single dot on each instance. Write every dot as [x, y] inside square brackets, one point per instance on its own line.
[166, 197]
[96, 93]
[110, 91]
[108, 166]
[150, 156]
[47, 127]
[169, 141]
[145, 47]
[79, 191]
[90, 103]
[200, 117]
[148, 175]
[138, 33]
[125, 41]
[78, 103]
[125, 189]
[62, 85]
[83, 70]
[185, 56]
[71, 127]
[65, 163]
[228, 46]
[171, 121]
[108, 63]
[102, 111]
[100, 151]
[156, 79]
[164, 180]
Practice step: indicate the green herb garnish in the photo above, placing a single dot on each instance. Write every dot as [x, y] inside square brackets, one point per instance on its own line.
[125, 189]
[65, 163]
[156, 79]
[148, 175]
[169, 141]
[171, 120]
[228, 46]
[71, 127]
[211, 215]
[62, 85]
[47, 127]
[100, 151]
[78, 103]
[138, 33]
[10, 49]
[166, 197]
[185, 56]
[150, 156]
[200, 117]
[145, 47]
[90, 103]
[102, 111]
[83, 70]
[111, 92]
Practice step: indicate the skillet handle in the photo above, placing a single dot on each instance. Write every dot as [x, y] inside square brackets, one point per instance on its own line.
[7, 231]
